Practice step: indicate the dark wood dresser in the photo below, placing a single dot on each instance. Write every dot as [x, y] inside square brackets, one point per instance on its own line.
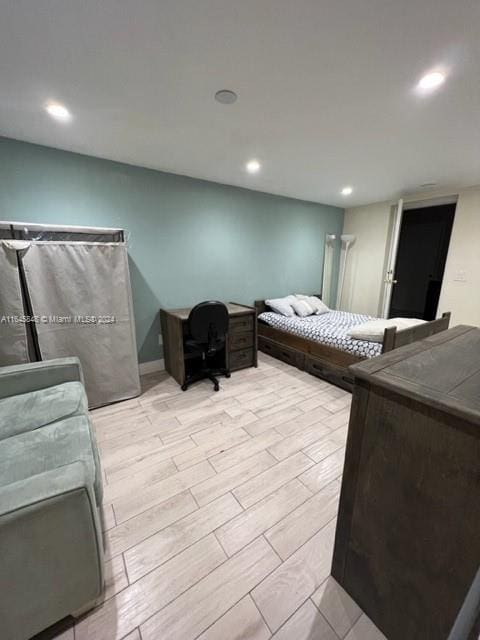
[408, 535]
[242, 338]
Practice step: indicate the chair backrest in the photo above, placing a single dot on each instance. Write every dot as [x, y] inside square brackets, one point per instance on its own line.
[208, 322]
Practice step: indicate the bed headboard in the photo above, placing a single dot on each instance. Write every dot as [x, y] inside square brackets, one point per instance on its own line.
[261, 307]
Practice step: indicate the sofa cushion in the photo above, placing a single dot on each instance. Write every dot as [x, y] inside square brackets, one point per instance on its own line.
[35, 409]
[52, 446]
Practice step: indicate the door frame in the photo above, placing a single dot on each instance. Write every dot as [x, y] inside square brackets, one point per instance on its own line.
[393, 242]
[391, 258]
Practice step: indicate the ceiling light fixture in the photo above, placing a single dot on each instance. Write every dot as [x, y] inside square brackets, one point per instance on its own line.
[253, 166]
[431, 81]
[58, 111]
[347, 191]
[226, 96]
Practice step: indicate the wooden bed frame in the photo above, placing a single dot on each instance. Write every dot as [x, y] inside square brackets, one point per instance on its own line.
[328, 362]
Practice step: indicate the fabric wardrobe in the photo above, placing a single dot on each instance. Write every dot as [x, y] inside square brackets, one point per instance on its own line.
[80, 295]
[13, 335]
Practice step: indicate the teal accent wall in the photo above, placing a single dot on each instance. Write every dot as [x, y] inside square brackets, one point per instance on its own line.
[189, 240]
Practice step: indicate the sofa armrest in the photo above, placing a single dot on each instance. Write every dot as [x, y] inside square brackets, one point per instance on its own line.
[52, 559]
[23, 378]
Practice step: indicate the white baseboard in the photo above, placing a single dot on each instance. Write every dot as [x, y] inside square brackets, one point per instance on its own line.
[151, 367]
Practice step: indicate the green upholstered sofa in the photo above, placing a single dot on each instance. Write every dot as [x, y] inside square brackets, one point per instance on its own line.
[51, 550]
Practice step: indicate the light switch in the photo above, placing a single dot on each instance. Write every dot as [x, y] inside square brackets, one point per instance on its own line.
[460, 276]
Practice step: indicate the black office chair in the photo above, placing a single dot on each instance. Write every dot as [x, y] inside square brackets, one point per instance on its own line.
[207, 339]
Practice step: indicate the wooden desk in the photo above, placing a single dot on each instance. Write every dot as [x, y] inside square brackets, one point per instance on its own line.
[241, 339]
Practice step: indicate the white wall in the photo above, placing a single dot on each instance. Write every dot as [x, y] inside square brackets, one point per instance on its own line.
[463, 298]
[365, 271]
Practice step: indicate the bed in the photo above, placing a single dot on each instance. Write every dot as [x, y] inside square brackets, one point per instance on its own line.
[321, 344]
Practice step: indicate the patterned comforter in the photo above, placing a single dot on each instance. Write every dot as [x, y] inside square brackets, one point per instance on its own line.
[328, 328]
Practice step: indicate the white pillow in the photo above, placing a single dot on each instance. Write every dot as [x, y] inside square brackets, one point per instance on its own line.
[318, 306]
[282, 305]
[373, 330]
[303, 308]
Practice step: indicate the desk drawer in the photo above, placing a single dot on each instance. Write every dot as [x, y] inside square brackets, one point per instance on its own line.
[239, 324]
[241, 340]
[241, 359]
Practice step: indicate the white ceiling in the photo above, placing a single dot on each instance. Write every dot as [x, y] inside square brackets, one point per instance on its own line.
[326, 89]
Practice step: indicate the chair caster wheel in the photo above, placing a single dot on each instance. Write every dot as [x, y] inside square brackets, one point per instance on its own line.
[184, 387]
[216, 388]
[227, 375]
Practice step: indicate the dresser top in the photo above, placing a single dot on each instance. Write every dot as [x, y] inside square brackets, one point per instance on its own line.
[442, 371]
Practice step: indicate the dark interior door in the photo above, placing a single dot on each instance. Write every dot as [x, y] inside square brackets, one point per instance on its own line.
[422, 253]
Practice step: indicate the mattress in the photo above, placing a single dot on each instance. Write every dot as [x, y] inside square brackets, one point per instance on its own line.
[328, 328]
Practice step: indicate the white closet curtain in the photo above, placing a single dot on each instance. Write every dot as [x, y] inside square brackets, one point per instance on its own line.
[13, 337]
[81, 294]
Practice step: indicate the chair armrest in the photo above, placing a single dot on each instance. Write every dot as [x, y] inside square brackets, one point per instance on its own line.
[32, 491]
[53, 554]
[23, 378]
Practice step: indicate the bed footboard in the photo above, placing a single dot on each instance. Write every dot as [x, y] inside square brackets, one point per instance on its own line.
[392, 339]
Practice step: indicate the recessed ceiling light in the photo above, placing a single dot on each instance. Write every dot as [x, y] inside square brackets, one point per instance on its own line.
[58, 111]
[253, 166]
[428, 185]
[226, 96]
[347, 191]
[431, 80]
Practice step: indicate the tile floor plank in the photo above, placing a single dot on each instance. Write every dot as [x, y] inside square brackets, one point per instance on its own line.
[306, 624]
[282, 404]
[154, 456]
[291, 444]
[115, 577]
[126, 611]
[317, 416]
[165, 544]
[336, 606]
[321, 449]
[126, 452]
[133, 531]
[364, 629]
[286, 588]
[204, 603]
[227, 480]
[183, 430]
[126, 507]
[224, 440]
[136, 481]
[325, 471]
[108, 517]
[302, 523]
[242, 622]
[251, 523]
[338, 419]
[273, 420]
[261, 485]
[237, 454]
[135, 635]
[115, 428]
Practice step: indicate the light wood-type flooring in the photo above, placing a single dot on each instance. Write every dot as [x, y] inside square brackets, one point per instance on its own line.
[220, 512]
